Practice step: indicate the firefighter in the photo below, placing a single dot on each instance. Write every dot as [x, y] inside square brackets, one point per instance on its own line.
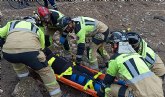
[49, 19]
[23, 43]
[154, 62]
[85, 27]
[128, 65]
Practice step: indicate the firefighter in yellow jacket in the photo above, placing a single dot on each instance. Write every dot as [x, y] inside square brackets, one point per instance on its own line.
[128, 65]
[154, 62]
[85, 27]
[24, 42]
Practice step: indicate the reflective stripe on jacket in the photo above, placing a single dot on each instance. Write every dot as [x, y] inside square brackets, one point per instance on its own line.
[130, 67]
[147, 53]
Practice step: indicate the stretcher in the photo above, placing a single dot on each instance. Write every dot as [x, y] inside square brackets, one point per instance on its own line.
[78, 86]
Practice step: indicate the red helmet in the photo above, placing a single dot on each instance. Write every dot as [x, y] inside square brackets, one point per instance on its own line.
[43, 11]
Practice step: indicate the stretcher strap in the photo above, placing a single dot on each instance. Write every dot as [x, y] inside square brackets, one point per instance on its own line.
[58, 55]
[97, 75]
[74, 64]
[66, 72]
[90, 84]
[50, 62]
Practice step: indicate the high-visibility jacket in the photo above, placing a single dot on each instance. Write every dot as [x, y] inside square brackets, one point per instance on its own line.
[24, 26]
[86, 27]
[133, 69]
[130, 67]
[147, 53]
[55, 17]
[83, 27]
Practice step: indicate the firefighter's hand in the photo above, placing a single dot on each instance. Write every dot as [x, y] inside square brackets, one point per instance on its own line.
[78, 61]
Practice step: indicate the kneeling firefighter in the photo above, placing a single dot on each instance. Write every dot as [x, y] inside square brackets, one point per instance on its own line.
[128, 65]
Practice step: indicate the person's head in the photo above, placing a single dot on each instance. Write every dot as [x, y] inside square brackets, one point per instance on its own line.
[44, 14]
[119, 43]
[134, 39]
[30, 19]
[66, 24]
[115, 38]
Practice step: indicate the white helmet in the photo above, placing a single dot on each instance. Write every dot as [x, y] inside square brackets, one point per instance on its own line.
[123, 43]
[30, 19]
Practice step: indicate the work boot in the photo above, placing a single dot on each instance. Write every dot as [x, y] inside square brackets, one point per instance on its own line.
[21, 70]
[55, 7]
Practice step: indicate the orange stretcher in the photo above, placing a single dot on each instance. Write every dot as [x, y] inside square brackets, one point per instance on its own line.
[78, 86]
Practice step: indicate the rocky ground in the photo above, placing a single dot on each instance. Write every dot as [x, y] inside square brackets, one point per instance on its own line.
[147, 18]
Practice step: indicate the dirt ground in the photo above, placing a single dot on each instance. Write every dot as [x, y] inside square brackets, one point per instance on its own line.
[147, 18]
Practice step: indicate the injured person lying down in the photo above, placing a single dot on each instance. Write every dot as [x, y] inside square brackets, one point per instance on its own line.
[76, 73]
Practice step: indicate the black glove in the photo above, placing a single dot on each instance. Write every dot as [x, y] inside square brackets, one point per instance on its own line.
[78, 61]
[101, 92]
[2, 41]
[104, 66]
[47, 51]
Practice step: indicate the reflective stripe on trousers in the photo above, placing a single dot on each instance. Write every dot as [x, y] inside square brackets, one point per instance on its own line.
[54, 92]
[149, 59]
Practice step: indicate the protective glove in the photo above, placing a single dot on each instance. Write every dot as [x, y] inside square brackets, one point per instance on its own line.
[78, 61]
[121, 82]
[104, 66]
[47, 52]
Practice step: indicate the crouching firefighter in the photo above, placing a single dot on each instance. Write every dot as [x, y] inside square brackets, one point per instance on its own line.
[85, 27]
[152, 59]
[24, 42]
[128, 65]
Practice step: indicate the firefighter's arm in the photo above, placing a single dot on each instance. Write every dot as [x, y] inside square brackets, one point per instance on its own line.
[4, 30]
[111, 73]
[41, 38]
[109, 79]
[42, 28]
[3, 33]
[80, 48]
